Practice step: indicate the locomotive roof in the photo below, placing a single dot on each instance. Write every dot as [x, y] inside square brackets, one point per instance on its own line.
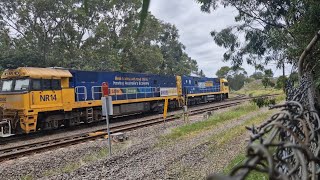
[33, 72]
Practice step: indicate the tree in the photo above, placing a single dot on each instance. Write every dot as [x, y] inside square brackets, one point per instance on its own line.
[236, 82]
[257, 75]
[201, 73]
[280, 84]
[176, 61]
[223, 72]
[273, 30]
[89, 35]
[294, 77]
[235, 76]
[268, 73]
[265, 82]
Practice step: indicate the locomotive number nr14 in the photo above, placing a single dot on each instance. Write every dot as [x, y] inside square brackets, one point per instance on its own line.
[51, 97]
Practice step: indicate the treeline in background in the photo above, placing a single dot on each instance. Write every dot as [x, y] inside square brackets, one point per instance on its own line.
[101, 36]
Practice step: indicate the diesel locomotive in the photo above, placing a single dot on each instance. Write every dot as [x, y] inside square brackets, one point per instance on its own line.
[34, 99]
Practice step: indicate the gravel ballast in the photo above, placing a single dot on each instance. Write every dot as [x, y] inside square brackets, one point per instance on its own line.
[140, 157]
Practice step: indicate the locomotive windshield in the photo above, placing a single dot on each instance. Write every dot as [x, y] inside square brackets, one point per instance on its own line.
[6, 85]
[21, 84]
[14, 85]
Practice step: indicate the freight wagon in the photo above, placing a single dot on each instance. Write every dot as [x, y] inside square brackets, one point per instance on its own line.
[34, 99]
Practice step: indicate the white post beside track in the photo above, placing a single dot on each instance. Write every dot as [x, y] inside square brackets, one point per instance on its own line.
[107, 109]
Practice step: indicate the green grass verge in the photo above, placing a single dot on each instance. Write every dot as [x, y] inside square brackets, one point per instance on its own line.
[223, 138]
[238, 131]
[256, 88]
[260, 92]
[229, 134]
[280, 98]
[254, 175]
[194, 128]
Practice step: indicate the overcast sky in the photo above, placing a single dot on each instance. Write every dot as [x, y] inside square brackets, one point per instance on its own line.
[194, 29]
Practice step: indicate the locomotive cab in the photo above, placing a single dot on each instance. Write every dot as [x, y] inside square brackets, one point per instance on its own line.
[224, 87]
[24, 92]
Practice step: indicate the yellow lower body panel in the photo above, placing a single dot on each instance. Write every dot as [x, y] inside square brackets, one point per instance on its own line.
[29, 123]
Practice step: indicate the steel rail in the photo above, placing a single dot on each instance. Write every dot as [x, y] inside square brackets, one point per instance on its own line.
[40, 134]
[28, 149]
[36, 147]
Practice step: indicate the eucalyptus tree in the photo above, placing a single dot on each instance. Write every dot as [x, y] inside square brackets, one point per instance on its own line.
[276, 30]
[89, 35]
[236, 76]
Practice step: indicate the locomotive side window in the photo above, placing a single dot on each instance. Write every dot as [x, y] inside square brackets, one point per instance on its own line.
[36, 84]
[46, 84]
[21, 84]
[56, 84]
[226, 84]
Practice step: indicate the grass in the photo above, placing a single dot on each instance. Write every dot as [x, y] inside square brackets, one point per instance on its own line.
[96, 156]
[228, 135]
[73, 166]
[194, 128]
[256, 88]
[253, 175]
[234, 162]
[68, 168]
[280, 98]
[223, 138]
[27, 177]
[260, 92]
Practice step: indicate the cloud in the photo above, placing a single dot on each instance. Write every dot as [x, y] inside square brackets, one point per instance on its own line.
[194, 28]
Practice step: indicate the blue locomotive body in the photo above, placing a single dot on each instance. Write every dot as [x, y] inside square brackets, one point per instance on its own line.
[122, 85]
[199, 85]
[59, 97]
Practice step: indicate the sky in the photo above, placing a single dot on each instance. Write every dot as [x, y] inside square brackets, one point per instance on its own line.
[194, 29]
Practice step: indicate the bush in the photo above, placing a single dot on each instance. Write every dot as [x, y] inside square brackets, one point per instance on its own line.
[263, 101]
[281, 82]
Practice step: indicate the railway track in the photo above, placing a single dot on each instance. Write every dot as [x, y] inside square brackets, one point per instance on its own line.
[40, 134]
[36, 147]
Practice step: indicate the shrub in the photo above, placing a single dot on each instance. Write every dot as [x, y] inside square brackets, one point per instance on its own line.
[263, 101]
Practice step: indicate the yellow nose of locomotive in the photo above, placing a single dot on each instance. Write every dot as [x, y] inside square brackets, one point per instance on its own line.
[10, 101]
[26, 91]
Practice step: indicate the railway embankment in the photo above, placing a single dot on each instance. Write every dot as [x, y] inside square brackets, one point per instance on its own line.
[176, 149]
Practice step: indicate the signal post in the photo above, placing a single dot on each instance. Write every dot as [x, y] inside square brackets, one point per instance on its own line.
[107, 109]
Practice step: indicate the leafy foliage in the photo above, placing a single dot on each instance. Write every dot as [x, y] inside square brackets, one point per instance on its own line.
[276, 31]
[89, 35]
[265, 82]
[268, 73]
[263, 101]
[280, 84]
[223, 72]
[257, 75]
[236, 76]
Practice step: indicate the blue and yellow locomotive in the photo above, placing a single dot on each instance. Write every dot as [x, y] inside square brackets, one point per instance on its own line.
[34, 99]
